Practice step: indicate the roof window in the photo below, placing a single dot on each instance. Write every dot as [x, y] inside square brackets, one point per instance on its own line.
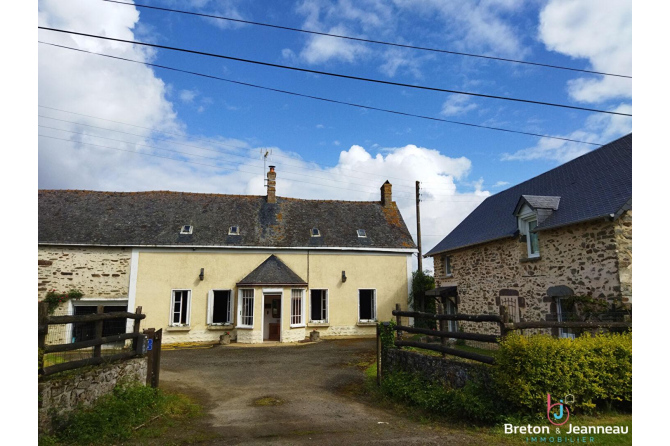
[315, 232]
[234, 230]
[187, 229]
[361, 233]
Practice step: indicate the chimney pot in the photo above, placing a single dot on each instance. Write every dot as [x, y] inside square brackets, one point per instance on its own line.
[272, 197]
[387, 194]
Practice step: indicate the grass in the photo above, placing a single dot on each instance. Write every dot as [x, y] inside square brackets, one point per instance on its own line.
[120, 417]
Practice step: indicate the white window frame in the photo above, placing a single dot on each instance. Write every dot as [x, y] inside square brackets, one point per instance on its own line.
[297, 302]
[231, 232]
[451, 308]
[562, 332]
[184, 231]
[358, 232]
[529, 234]
[188, 309]
[210, 308]
[318, 321]
[240, 307]
[447, 266]
[374, 298]
[312, 234]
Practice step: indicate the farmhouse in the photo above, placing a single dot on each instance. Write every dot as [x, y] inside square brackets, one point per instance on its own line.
[262, 268]
[543, 246]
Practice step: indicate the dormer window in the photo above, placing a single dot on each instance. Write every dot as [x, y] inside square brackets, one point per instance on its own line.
[532, 239]
[234, 230]
[531, 211]
[315, 232]
[186, 229]
[361, 233]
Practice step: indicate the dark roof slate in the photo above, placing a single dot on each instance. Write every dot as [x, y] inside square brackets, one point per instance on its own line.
[272, 272]
[597, 184]
[155, 219]
[541, 202]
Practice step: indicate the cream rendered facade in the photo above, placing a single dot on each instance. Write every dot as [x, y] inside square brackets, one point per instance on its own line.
[155, 273]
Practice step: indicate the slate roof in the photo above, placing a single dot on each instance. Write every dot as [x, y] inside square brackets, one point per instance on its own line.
[541, 202]
[272, 272]
[598, 184]
[155, 219]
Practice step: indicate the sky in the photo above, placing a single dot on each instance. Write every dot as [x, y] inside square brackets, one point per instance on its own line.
[112, 125]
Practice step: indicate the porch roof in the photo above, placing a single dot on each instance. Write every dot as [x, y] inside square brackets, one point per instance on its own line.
[272, 272]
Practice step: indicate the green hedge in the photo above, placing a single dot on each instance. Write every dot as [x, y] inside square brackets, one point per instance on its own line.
[597, 371]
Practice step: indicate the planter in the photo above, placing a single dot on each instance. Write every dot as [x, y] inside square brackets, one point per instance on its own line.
[314, 336]
[224, 339]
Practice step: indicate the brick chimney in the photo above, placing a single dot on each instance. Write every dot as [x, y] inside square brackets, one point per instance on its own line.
[387, 196]
[272, 198]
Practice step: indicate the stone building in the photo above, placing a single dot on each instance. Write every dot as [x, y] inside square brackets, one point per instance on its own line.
[259, 267]
[537, 247]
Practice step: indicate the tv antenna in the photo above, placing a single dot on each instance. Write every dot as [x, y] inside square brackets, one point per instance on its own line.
[266, 156]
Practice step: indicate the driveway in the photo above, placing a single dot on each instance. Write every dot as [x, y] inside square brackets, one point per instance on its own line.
[299, 394]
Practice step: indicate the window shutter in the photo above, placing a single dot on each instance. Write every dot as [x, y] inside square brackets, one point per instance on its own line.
[210, 306]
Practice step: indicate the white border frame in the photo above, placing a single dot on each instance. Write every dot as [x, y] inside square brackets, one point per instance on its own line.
[190, 230]
[273, 292]
[239, 309]
[188, 311]
[210, 308]
[321, 321]
[358, 316]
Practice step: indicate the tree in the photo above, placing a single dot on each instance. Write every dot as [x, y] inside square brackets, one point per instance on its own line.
[422, 282]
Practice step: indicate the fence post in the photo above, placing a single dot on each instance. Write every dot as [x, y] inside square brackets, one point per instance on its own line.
[42, 329]
[137, 346]
[443, 323]
[97, 350]
[150, 334]
[398, 322]
[158, 336]
[504, 319]
[379, 356]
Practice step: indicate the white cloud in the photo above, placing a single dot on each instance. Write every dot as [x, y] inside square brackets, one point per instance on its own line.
[187, 96]
[499, 184]
[320, 49]
[601, 34]
[598, 128]
[457, 104]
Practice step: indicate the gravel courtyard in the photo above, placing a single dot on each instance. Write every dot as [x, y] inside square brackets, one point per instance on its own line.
[298, 394]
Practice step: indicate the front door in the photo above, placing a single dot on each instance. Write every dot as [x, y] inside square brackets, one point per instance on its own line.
[272, 317]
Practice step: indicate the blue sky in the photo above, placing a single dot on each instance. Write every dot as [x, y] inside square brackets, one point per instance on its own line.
[217, 130]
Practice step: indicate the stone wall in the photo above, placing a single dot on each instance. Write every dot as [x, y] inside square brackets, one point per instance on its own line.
[584, 257]
[61, 395]
[96, 272]
[451, 373]
[623, 232]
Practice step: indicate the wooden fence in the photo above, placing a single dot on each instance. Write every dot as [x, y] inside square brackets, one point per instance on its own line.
[44, 320]
[501, 320]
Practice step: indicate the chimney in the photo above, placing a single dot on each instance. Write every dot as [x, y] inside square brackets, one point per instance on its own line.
[387, 196]
[272, 198]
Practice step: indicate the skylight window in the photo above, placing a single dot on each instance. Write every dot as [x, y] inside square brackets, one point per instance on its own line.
[315, 232]
[361, 233]
[186, 229]
[234, 230]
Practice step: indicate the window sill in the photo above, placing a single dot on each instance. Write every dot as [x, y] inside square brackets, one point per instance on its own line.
[178, 328]
[220, 327]
[449, 276]
[298, 326]
[366, 324]
[319, 324]
[530, 259]
[244, 327]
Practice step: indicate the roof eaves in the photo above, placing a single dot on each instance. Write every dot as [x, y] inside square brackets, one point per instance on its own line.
[431, 253]
[609, 217]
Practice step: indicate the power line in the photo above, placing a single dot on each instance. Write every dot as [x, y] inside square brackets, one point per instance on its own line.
[340, 36]
[328, 100]
[342, 76]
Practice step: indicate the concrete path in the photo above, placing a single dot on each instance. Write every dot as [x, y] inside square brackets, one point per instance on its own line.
[302, 394]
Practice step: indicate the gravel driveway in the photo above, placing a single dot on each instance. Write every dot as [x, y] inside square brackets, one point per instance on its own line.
[299, 394]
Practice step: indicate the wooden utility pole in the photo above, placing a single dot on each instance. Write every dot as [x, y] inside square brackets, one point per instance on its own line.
[418, 226]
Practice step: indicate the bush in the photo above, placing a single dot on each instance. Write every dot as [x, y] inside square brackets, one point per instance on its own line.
[597, 371]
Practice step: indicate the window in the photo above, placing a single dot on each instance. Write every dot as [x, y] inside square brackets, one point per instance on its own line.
[563, 316]
[532, 239]
[361, 233]
[246, 306]
[511, 303]
[367, 306]
[180, 308]
[234, 230]
[84, 331]
[187, 229]
[315, 232]
[220, 308]
[297, 308]
[451, 308]
[318, 305]
[447, 265]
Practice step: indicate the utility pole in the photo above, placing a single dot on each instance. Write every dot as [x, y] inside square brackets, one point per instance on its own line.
[418, 226]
